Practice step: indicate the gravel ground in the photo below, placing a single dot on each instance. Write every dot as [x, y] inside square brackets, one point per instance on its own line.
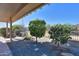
[4, 49]
[25, 48]
[30, 48]
[21, 47]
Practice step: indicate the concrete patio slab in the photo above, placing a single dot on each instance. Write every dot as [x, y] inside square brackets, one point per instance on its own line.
[4, 49]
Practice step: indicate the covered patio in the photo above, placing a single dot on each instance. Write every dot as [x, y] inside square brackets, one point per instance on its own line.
[11, 12]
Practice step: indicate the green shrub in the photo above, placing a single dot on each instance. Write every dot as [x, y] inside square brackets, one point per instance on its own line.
[27, 37]
[60, 33]
[3, 32]
[17, 29]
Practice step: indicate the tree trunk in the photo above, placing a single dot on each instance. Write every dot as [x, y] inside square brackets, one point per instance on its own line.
[58, 44]
[36, 40]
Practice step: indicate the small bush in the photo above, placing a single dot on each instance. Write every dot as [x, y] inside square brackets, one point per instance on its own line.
[27, 37]
[60, 33]
[3, 32]
[17, 29]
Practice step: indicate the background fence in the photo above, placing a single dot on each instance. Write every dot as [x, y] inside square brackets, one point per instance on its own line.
[75, 35]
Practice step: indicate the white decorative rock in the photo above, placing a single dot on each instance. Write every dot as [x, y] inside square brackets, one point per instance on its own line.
[66, 54]
[36, 49]
[44, 55]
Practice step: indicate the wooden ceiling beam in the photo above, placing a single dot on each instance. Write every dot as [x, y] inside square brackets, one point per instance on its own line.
[26, 9]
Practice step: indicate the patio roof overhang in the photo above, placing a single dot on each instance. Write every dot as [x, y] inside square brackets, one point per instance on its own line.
[14, 11]
[11, 12]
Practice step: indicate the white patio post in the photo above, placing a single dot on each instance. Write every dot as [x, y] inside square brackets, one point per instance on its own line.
[10, 29]
[6, 29]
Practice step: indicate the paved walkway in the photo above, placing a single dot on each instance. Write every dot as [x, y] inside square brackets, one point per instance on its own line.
[4, 49]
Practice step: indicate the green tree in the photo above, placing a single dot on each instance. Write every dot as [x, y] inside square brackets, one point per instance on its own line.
[3, 32]
[60, 33]
[17, 29]
[37, 28]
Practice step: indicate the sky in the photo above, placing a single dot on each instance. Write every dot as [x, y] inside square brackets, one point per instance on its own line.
[55, 13]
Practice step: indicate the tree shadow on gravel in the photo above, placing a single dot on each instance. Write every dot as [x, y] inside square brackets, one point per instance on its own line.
[30, 48]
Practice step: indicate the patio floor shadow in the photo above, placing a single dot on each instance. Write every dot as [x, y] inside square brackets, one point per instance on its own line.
[4, 50]
[30, 48]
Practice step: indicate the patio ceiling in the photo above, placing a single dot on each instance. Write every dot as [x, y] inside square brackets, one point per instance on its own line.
[14, 11]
